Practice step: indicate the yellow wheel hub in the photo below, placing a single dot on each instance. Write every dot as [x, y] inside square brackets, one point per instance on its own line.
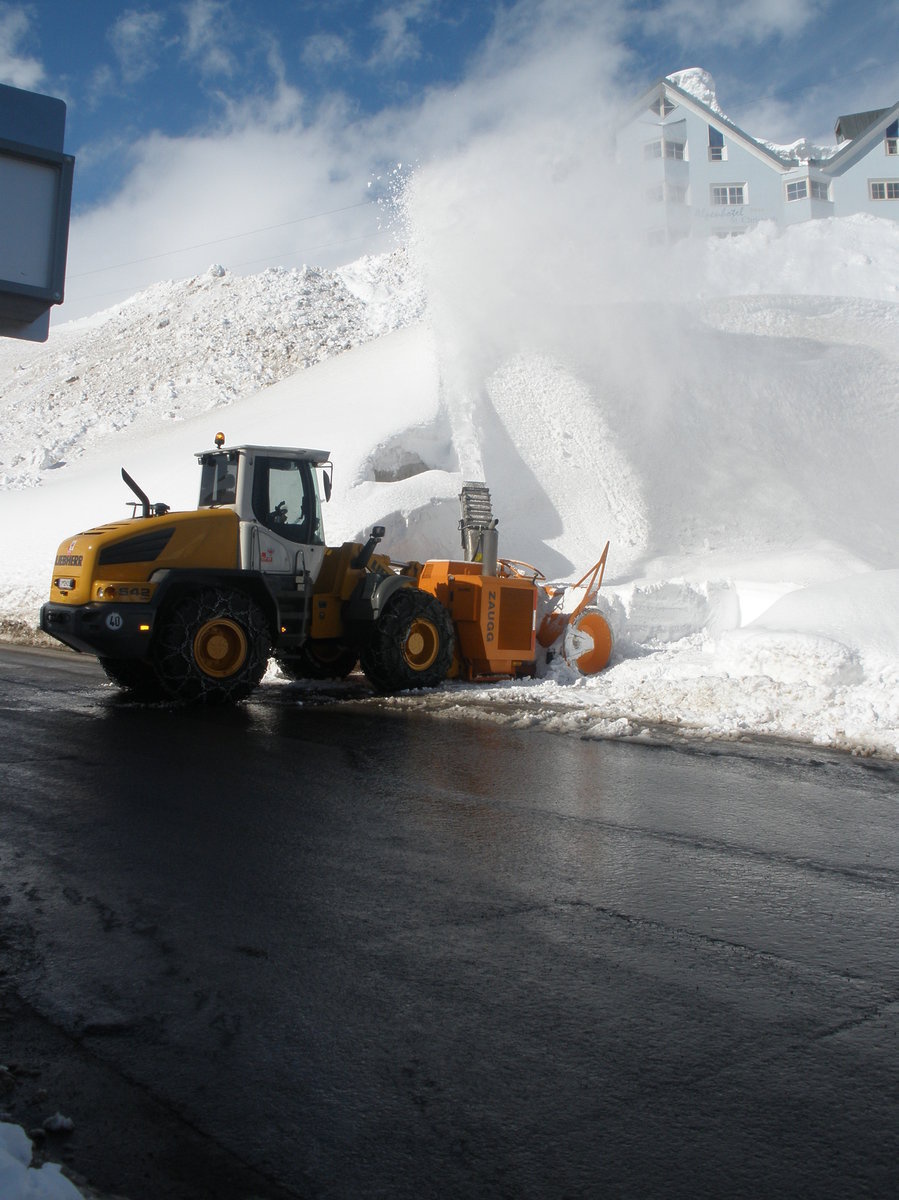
[220, 647]
[422, 644]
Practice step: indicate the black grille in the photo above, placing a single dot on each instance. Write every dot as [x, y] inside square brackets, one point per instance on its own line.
[144, 548]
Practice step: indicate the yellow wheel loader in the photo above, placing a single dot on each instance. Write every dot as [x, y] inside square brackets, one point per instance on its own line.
[190, 606]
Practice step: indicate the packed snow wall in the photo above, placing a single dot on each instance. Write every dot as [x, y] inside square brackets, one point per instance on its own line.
[651, 394]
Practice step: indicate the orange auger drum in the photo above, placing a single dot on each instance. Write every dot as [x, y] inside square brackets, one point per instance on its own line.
[574, 623]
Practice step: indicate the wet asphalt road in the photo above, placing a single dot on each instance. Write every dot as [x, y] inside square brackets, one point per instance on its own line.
[291, 950]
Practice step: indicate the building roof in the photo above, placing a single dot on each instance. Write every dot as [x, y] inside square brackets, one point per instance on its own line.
[851, 126]
[851, 151]
[714, 116]
[857, 131]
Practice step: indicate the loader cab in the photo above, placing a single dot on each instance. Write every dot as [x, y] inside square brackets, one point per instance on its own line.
[275, 493]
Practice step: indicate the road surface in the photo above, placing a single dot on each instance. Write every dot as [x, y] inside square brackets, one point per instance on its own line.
[298, 950]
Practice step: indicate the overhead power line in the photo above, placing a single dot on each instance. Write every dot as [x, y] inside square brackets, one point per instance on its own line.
[233, 237]
[232, 266]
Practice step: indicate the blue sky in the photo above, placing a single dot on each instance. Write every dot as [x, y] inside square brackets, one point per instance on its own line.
[262, 133]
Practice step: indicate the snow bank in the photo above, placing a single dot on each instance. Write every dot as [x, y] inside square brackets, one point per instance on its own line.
[736, 447]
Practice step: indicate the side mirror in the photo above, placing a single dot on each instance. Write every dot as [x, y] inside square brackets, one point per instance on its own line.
[363, 558]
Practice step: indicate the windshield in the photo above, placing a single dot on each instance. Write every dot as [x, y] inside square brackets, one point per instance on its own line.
[218, 480]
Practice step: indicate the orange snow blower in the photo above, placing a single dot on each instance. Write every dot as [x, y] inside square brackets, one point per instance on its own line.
[502, 609]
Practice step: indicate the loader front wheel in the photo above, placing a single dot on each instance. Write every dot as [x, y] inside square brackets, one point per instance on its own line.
[212, 647]
[136, 675]
[411, 646]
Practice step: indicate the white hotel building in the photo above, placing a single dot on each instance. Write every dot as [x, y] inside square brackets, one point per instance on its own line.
[699, 174]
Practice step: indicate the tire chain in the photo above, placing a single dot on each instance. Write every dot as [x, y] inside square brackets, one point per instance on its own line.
[382, 658]
[174, 653]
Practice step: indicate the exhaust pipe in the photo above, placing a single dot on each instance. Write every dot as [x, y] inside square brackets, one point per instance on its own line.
[139, 492]
[488, 544]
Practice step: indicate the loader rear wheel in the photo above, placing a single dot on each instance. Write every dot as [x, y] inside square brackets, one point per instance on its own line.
[411, 645]
[212, 647]
[324, 658]
[135, 675]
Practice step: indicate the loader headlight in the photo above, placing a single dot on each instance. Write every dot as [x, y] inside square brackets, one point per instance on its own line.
[106, 593]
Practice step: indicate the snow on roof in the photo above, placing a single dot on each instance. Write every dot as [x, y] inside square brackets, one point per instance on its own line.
[700, 85]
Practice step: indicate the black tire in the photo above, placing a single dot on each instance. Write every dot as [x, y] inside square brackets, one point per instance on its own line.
[412, 644]
[325, 658]
[212, 647]
[136, 675]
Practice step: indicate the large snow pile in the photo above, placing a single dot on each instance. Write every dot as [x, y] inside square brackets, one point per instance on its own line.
[185, 347]
[737, 447]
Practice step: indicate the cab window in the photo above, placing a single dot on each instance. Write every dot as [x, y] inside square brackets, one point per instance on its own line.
[218, 479]
[285, 499]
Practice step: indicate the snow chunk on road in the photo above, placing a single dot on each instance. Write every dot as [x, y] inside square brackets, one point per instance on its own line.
[19, 1180]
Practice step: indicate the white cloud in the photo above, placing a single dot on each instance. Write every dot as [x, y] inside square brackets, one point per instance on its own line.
[395, 26]
[134, 38]
[325, 49]
[741, 20]
[101, 83]
[547, 67]
[205, 41]
[16, 68]
[260, 193]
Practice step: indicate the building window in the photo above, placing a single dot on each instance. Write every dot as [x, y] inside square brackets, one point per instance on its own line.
[891, 141]
[729, 193]
[664, 150]
[677, 194]
[884, 189]
[663, 106]
[717, 152]
[820, 190]
[797, 190]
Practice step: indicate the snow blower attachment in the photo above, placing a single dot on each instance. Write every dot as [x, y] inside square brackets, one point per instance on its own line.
[571, 624]
[503, 608]
[574, 626]
[190, 605]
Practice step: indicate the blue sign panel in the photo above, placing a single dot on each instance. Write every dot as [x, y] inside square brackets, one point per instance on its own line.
[35, 203]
